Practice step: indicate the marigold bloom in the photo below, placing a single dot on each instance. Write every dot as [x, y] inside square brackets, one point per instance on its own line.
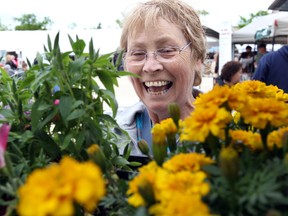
[169, 126]
[158, 134]
[248, 138]
[147, 174]
[203, 121]
[276, 138]
[180, 204]
[221, 96]
[215, 97]
[262, 111]
[183, 182]
[190, 162]
[53, 190]
[258, 89]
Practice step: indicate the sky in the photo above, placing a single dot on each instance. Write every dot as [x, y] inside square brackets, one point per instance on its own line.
[89, 13]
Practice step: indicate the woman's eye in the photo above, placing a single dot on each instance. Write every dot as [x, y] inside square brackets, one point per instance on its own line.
[167, 50]
[138, 53]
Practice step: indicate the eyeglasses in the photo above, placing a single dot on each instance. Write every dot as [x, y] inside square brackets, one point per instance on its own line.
[166, 54]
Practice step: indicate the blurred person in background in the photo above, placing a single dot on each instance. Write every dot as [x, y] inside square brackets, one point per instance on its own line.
[247, 60]
[261, 51]
[230, 74]
[273, 69]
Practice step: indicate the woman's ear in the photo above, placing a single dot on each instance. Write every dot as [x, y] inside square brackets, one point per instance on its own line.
[198, 73]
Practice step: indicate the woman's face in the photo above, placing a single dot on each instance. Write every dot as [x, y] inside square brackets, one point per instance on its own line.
[236, 78]
[162, 83]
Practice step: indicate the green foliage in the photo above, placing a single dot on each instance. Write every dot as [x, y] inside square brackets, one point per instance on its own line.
[30, 22]
[203, 12]
[3, 27]
[261, 187]
[245, 21]
[47, 125]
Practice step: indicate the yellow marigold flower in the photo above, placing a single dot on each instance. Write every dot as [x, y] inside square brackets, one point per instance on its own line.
[248, 138]
[93, 149]
[62, 189]
[89, 186]
[190, 162]
[158, 134]
[180, 204]
[276, 138]
[203, 121]
[35, 199]
[169, 126]
[262, 111]
[282, 96]
[147, 174]
[215, 97]
[183, 182]
[221, 96]
[258, 89]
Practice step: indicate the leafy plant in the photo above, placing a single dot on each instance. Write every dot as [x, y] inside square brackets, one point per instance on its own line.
[57, 109]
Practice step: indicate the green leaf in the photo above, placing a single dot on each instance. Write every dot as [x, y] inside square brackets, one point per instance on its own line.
[78, 47]
[211, 169]
[106, 79]
[135, 164]
[65, 106]
[120, 161]
[110, 98]
[91, 49]
[66, 141]
[48, 144]
[76, 114]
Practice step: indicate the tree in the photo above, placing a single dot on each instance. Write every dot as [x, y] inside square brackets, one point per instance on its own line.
[243, 21]
[99, 26]
[202, 12]
[30, 22]
[3, 27]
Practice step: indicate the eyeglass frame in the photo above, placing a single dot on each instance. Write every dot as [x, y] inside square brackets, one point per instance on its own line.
[156, 53]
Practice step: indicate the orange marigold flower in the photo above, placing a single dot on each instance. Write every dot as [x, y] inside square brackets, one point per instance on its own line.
[189, 162]
[203, 121]
[262, 111]
[276, 138]
[248, 138]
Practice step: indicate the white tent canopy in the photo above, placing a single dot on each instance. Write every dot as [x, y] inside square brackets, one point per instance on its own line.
[247, 33]
[280, 26]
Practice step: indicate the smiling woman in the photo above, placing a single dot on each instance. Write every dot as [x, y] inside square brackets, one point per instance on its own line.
[164, 45]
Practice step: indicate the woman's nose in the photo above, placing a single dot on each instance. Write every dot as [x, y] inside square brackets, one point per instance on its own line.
[151, 63]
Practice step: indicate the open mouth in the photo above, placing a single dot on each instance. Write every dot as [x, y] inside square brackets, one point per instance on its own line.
[157, 87]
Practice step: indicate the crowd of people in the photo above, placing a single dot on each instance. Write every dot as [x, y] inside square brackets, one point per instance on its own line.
[13, 65]
[268, 67]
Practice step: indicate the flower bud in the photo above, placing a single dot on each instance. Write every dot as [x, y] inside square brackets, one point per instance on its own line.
[143, 146]
[229, 163]
[159, 145]
[147, 193]
[4, 132]
[96, 154]
[174, 111]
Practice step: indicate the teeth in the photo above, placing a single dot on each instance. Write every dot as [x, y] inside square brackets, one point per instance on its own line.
[156, 84]
[157, 93]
